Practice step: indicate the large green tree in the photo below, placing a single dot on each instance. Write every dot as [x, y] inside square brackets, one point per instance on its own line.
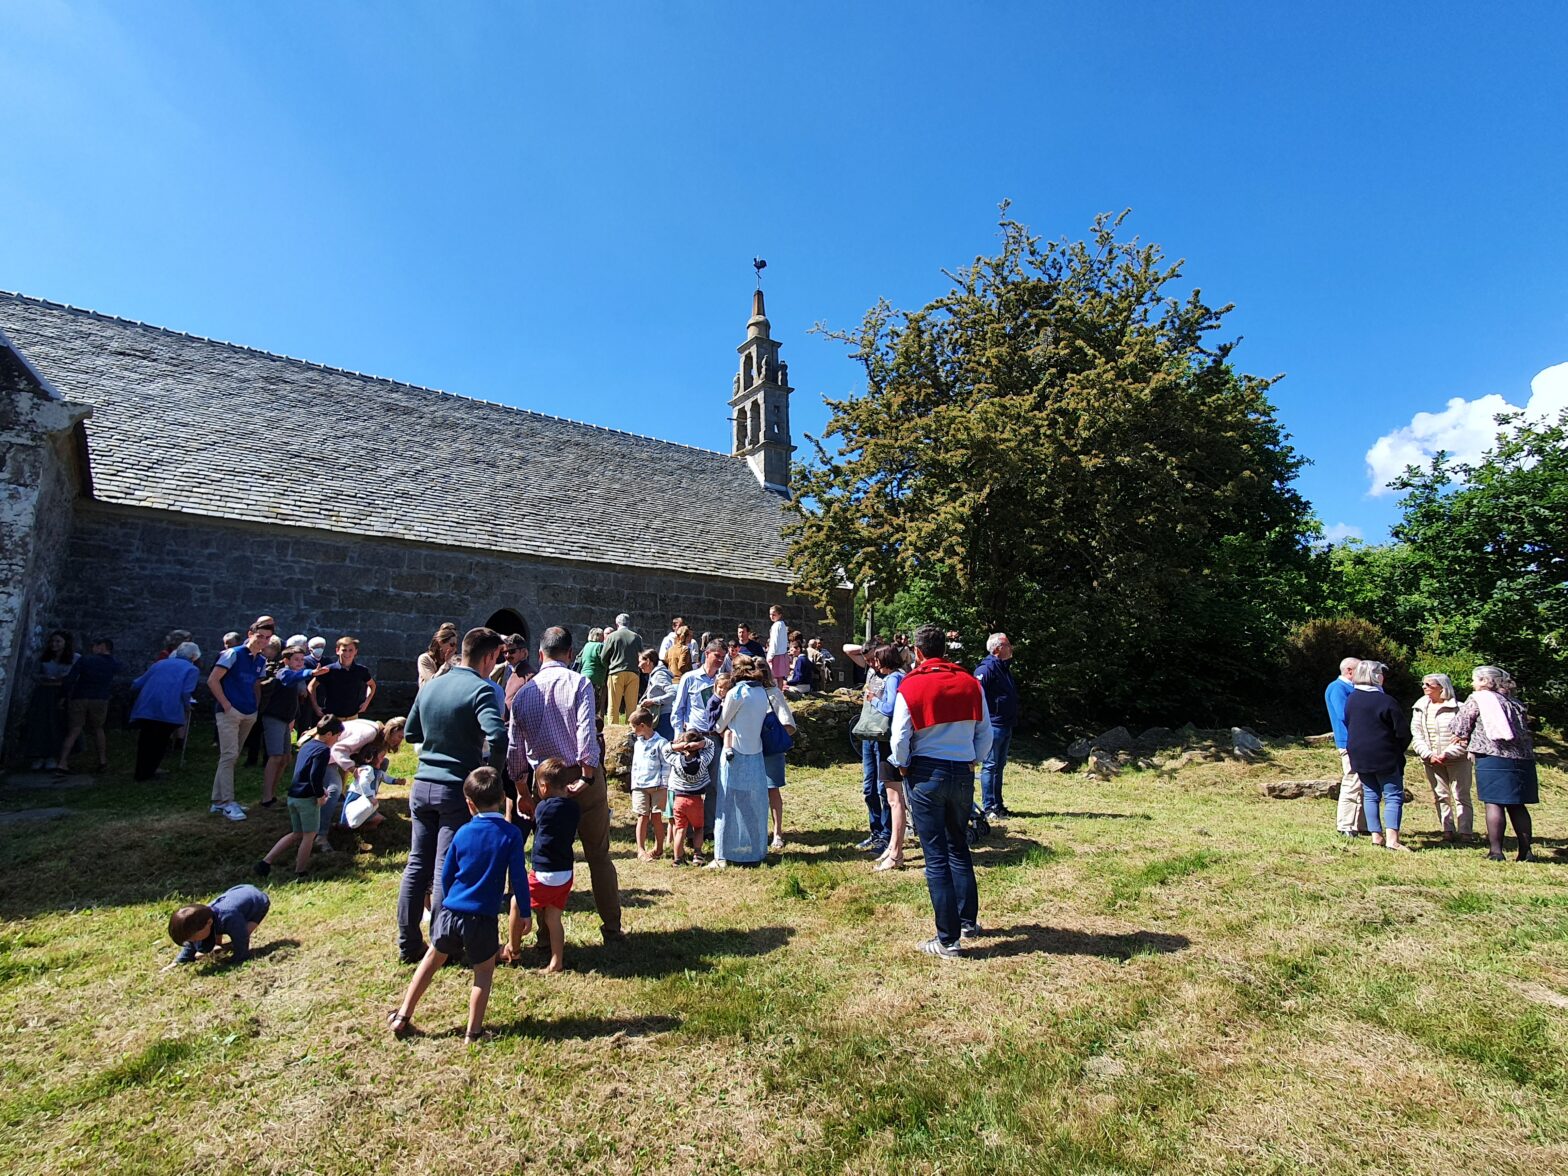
[1480, 560]
[1059, 448]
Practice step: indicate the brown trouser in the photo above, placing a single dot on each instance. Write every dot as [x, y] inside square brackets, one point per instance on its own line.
[1349, 818]
[593, 830]
[1450, 783]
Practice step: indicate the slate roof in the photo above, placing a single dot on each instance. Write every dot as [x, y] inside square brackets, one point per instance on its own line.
[182, 423]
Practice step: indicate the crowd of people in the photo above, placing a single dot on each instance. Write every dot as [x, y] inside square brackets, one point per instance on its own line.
[1485, 740]
[509, 753]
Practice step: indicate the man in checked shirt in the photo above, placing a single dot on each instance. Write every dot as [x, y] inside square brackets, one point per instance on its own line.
[553, 717]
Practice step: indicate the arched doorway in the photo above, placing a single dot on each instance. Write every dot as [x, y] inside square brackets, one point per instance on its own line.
[507, 621]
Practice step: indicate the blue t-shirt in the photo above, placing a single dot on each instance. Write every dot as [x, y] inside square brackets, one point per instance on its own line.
[483, 853]
[310, 770]
[92, 677]
[233, 912]
[555, 828]
[242, 670]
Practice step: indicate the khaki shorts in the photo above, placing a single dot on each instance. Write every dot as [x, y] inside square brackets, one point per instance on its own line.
[648, 800]
[88, 713]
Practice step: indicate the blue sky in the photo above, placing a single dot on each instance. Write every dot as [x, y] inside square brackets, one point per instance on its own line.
[556, 206]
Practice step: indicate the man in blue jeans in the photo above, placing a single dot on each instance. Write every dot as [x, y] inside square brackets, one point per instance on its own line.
[995, 673]
[451, 717]
[941, 729]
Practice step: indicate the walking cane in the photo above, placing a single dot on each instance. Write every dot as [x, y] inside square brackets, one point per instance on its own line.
[186, 742]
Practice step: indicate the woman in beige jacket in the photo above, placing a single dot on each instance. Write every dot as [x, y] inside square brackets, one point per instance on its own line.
[1443, 756]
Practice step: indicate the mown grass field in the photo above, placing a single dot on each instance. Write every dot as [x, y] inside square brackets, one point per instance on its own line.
[1178, 976]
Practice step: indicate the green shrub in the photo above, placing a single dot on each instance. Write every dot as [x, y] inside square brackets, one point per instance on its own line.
[1311, 660]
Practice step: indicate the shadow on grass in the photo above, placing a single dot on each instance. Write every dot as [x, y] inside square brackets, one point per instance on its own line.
[1085, 816]
[836, 845]
[648, 954]
[270, 948]
[1032, 938]
[1008, 851]
[576, 1028]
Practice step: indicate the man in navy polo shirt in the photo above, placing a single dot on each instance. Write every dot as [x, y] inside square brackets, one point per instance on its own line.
[235, 685]
[346, 689]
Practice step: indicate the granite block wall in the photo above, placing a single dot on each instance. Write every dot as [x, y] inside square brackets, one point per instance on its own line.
[134, 574]
[37, 485]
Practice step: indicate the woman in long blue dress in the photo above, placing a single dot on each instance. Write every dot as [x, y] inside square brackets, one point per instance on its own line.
[740, 832]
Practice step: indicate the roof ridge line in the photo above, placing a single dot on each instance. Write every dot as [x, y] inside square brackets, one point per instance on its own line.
[99, 314]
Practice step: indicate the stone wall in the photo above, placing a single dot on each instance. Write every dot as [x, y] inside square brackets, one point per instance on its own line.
[134, 574]
[38, 436]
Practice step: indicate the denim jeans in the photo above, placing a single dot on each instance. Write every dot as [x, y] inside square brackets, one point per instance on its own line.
[436, 812]
[992, 767]
[877, 813]
[1390, 789]
[941, 796]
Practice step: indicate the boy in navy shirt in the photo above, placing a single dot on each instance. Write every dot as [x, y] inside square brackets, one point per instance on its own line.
[200, 929]
[550, 883]
[307, 795]
[484, 854]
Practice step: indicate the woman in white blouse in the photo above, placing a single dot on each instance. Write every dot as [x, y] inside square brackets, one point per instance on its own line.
[1443, 756]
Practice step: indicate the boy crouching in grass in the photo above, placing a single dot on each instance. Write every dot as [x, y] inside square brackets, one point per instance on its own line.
[484, 854]
[200, 929]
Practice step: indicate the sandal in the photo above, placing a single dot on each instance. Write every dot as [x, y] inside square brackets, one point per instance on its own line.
[476, 1038]
[401, 1026]
[888, 864]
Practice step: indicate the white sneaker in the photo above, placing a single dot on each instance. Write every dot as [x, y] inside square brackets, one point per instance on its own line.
[776, 845]
[217, 808]
[233, 811]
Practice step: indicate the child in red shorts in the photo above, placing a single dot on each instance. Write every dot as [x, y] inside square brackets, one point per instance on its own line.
[690, 757]
[550, 881]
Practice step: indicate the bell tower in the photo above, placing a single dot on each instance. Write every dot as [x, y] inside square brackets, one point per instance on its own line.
[759, 407]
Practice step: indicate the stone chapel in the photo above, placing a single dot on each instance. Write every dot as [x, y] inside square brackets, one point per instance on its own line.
[149, 480]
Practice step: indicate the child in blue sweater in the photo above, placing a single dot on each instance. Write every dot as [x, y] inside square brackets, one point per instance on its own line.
[201, 928]
[307, 796]
[485, 853]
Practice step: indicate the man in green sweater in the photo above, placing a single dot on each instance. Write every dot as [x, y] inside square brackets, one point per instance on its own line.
[620, 662]
[451, 718]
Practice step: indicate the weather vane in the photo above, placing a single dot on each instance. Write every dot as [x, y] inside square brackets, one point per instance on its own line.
[759, 264]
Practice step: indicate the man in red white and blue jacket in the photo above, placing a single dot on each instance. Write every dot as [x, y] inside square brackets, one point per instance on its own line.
[941, 729]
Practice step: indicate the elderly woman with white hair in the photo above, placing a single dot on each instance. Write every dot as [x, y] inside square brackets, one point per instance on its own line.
[1495, 728]
[1376, 735]
[162, 702]
[1442, 756]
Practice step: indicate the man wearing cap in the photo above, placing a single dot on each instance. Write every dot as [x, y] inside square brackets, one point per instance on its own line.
[620, 662]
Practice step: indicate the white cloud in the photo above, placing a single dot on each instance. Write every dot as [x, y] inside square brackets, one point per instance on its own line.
[1465, 429]
[1339, 532]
